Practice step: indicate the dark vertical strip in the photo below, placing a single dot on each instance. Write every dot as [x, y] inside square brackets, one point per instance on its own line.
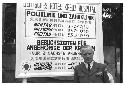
[121, 45]
[15, 19]
[121, 62]
[3, 22]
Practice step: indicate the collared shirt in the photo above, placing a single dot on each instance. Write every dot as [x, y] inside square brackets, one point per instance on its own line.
[109, 75]
[91, 64]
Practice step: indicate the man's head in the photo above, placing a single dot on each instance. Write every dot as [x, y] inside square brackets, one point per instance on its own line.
[87, 53]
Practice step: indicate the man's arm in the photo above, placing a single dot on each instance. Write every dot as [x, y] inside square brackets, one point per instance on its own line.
[111, 80]
[108, 78]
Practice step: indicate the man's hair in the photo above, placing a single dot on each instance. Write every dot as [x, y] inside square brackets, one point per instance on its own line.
[86, 47]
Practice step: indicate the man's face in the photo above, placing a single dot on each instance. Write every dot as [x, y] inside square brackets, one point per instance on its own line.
[87, 54]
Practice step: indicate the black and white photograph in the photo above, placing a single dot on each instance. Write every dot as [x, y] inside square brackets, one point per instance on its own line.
[62, 42]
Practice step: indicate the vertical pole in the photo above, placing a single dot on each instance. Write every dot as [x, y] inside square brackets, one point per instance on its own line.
[115, 62]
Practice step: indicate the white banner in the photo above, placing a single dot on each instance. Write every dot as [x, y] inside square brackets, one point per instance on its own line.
[49, 35]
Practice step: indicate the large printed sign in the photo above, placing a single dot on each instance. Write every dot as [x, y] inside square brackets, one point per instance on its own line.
[49, 36]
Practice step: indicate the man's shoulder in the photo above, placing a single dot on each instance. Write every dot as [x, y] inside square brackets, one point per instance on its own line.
[79, 66]
[100, 65]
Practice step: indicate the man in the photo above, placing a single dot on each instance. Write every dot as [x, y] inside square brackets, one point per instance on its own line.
[90, 71]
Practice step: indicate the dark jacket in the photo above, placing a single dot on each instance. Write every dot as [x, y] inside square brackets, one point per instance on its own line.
[98, 74]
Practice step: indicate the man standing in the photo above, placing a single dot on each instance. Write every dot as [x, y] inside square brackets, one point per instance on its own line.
[90, 71]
